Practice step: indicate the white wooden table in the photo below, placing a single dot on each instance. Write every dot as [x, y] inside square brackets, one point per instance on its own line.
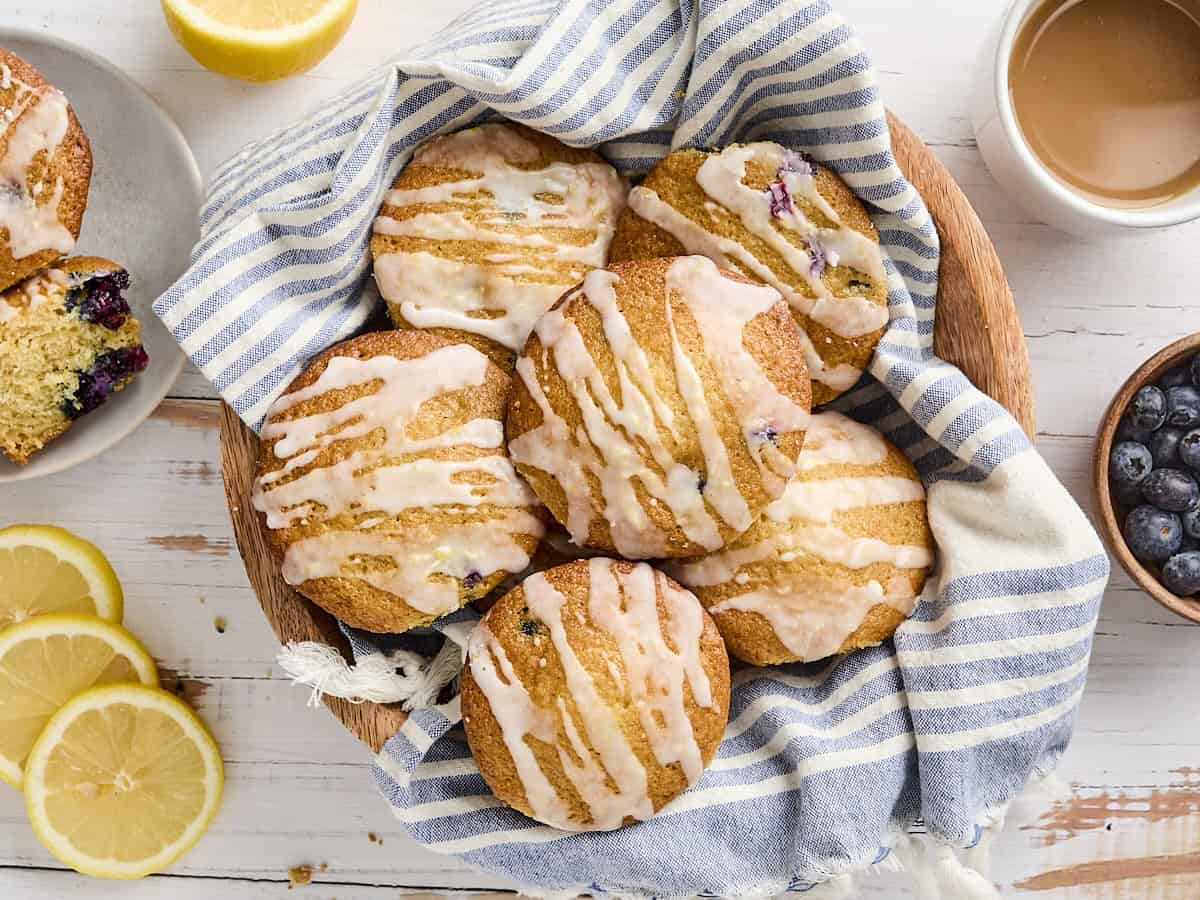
[297, 786]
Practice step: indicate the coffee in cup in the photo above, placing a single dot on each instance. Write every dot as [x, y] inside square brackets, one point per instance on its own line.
[1088, 112]
[1107, 95]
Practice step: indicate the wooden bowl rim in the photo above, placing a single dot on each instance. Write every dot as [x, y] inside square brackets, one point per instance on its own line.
[1164, 360]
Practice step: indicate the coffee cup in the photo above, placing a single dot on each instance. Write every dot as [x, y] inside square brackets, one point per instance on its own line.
[1023, 171]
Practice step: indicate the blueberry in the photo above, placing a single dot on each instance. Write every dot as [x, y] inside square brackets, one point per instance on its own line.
[98, 300]
[529, 626]
[107, 371]
[1126, 495]
[1181, 574]
[1189, 543]
[1191, 523]
[1127, 431]
[1153, 534]
[765, 435]
[472, 580]
[1183, 406]
[1194, 368]
[1189, 448]
[1164, 447]
[1175, 378]
[1148, 410]
[1129, 463]
[1171, 489]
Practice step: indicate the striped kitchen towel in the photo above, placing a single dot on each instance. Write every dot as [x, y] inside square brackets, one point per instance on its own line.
[823, 767]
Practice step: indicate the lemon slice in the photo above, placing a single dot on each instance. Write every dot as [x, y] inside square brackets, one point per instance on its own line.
[46, 661]
[123, 780]
[46, 569]
[258, 40]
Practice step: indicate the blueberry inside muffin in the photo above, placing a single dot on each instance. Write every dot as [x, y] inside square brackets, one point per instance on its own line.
[68, 341]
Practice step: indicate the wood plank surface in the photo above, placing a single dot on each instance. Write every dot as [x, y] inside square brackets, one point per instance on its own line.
[298, 788]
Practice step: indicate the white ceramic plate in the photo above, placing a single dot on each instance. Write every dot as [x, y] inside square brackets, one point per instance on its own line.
[142, 212]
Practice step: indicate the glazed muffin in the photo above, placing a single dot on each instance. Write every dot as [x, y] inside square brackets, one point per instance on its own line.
[776, 217]
[555, 549]
[486, 228]
[594, 694]
[384, 483]
[67, 342]
[45, 170]
[660, 407]
[836, 563]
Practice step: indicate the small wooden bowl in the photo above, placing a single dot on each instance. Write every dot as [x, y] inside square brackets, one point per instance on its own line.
[1162, 361]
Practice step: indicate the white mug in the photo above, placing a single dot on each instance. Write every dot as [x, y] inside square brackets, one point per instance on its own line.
[1022, 174]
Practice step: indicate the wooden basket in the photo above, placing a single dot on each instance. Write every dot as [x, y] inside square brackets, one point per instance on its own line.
[976, 329]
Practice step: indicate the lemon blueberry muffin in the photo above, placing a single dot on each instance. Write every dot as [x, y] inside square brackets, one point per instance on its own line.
[774, 216]
[594, 693]
[67, 342]
[836, 563]
[384, 482]
[486, 228]
[45, 170]
[660, 407]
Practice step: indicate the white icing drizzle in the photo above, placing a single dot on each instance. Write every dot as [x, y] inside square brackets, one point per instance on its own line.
[835, 439]
[379, 483]
[819, 500]
[625, 606]
[659, 664]
[721, 178]
[32, 293]
[519, 718]
[813, 614]
[610, 442]
[504, 205]
[36, 124]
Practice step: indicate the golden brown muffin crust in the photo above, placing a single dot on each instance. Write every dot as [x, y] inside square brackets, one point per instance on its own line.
[72, 162]
[540, 267]
[674, 181]
[353, 600]
[770, 338]
[752, 637]
[527, 643]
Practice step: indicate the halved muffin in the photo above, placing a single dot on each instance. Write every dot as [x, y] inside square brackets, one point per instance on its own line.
[45, 172]
[67, 342]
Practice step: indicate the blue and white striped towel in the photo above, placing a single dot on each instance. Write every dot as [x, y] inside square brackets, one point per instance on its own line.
[823, 767]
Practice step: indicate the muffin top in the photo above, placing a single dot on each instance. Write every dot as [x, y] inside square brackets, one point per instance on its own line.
[835, 564]
[45, 170]
[774, 216]
[385, 485]
[486, 228]
[660, 407]
[594, 693]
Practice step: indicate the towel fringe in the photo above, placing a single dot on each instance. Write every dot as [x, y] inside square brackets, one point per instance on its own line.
[396, 676]
[938, 873]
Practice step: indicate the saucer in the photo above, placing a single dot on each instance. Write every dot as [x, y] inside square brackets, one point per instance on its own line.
[141, 213]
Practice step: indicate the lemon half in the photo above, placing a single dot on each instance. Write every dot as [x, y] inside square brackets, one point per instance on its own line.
[123, 781]
[258, 40]
[47, 660]
[47, 569]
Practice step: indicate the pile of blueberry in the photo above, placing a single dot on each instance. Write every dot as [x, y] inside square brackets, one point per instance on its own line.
[1154, 477]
